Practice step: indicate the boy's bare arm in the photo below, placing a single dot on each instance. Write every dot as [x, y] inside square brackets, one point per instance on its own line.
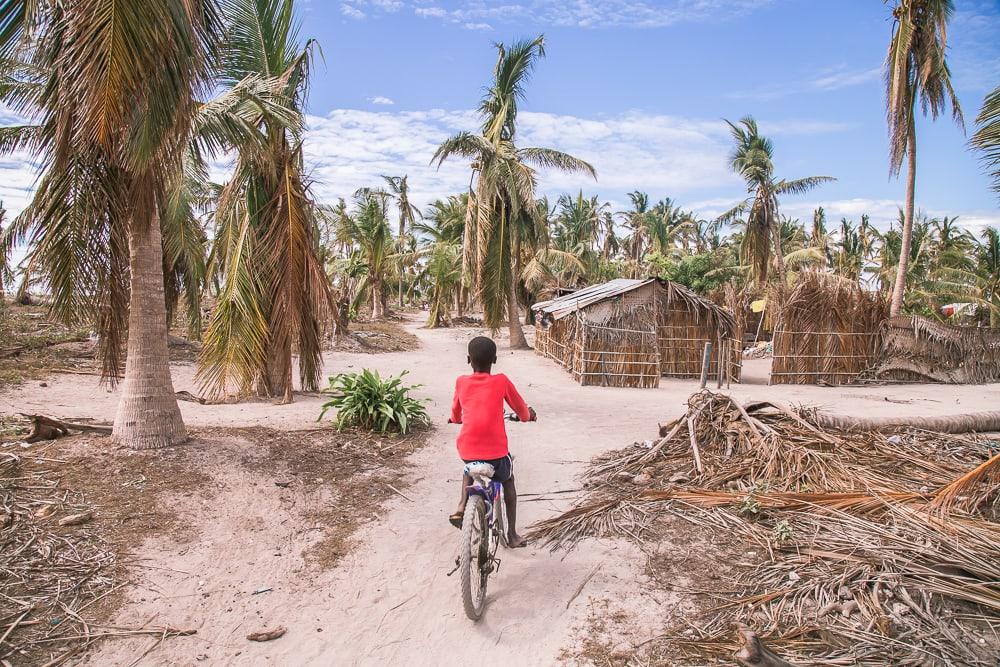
[517, 404]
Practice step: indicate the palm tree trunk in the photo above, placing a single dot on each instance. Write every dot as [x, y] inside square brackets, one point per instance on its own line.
[517, 339]
[148, 416]
[779, 257]
[378, 311]
[899, 288]
[972, 422]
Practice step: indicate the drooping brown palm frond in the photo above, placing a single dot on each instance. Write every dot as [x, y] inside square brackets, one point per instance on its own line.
[972, 490]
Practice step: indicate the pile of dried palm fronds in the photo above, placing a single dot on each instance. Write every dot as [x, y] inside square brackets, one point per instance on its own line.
[879, 549]
[915, 349]
[53, 565]
[827, 330]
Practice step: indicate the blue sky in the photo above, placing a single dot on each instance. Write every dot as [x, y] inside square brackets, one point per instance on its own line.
[639, 89]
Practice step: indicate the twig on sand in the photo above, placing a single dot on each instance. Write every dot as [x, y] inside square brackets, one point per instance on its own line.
[13, 625]
[399, 492]
[267, 635]
[579, 589]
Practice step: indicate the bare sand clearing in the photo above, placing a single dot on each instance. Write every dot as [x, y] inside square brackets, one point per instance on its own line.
[389, 601]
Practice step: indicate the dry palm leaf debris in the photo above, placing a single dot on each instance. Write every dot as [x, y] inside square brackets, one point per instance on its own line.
[877, 548]
[53, 567]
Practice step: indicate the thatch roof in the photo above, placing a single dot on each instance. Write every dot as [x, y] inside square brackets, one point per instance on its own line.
[560, 307]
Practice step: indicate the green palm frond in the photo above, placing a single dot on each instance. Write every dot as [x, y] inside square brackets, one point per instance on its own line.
[987, 136]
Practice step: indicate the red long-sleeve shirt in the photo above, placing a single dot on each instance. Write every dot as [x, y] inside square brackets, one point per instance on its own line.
[478, 407]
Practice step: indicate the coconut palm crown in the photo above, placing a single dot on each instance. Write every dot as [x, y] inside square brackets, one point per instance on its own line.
[502, 207]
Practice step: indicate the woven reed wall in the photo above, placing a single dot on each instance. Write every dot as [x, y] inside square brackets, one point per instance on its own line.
[683, 328]
[827, 331]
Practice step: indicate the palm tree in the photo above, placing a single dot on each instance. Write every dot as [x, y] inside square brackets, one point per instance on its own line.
[367, 228]
[443, 227]
[399, 190]
[915, 68]
[636, 220]
[115, 108]
[753, 159]
[987, 137]
[6, 275]
[989, 272]
[503, 214]
[954, 245]
[850, 257]
[820, 238]
[275, 292]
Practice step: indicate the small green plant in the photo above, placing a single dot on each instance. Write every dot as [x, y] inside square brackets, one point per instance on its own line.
[749, 506]
[783, 532]
[368, 401]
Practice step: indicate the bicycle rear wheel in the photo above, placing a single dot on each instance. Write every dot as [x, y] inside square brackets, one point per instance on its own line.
[474, 558]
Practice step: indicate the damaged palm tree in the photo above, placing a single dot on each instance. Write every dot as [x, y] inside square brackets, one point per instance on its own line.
[275, 293]
[502, 208]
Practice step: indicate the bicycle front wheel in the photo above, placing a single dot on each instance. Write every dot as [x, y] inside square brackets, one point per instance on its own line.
[474, 557]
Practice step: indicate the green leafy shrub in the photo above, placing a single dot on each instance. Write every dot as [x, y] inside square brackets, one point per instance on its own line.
[367, 401]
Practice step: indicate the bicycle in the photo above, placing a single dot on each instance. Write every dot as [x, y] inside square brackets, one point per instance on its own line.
[484, 528]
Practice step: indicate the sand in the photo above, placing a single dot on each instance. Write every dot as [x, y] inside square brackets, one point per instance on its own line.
[389, 600]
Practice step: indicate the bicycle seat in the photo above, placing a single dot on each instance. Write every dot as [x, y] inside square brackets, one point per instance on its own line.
[480, 471]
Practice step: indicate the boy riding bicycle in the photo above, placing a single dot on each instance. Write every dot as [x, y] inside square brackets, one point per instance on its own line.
[478, 407]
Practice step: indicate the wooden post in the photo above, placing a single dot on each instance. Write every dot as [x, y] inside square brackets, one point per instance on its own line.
[721, 355]
[705, 361]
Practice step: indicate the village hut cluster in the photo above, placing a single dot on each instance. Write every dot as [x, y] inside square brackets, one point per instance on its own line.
[825, 331]
[629, 333]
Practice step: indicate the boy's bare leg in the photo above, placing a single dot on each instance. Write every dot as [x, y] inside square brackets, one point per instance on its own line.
[510, 499]
[464, 497]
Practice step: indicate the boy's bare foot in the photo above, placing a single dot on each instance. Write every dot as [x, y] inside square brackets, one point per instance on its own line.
[457, 517]
[515, 541]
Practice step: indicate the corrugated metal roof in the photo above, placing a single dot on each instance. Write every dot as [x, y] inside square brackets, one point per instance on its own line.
[562, 306]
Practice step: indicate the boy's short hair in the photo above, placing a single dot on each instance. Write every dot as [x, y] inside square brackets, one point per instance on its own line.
[482, 351]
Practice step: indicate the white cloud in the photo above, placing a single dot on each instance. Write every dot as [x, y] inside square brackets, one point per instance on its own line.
[881, 212]
[434, 12]
[844, 79]
[685, 158]
[381, 100]
[478, 26]
[829, 80]
[577, 13]
[349, 149]
[351, 12]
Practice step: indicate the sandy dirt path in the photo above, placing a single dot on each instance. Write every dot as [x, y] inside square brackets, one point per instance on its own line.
[389, 601]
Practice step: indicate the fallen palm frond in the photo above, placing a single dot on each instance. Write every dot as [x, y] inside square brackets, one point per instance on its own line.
[857, 569]
[973, 489]
[915, 349]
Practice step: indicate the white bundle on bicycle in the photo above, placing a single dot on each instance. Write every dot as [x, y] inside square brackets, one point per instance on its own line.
[480, 471]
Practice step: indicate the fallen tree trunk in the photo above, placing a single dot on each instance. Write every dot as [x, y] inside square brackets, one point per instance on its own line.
[973, 422]
[47, 428]
[753, 653]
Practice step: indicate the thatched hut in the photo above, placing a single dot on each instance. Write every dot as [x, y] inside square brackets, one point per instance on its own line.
[915, 349]
[628, 333]
[827, 330]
